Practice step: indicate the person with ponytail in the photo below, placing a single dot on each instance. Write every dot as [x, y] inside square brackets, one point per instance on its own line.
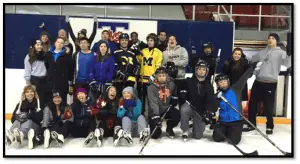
[27, 115]
[35, 69]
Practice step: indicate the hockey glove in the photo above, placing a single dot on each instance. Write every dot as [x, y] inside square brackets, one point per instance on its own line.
[182, 96]
[170, 64]
[92, 85]
[207, 117]
[156, 121]
[174, 101]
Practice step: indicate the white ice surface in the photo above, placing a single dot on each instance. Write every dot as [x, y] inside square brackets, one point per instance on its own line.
[250, 141]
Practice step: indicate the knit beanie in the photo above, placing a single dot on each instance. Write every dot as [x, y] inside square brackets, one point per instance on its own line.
[80, 90]
[23, 97]
[34, 41]
[275, 36]
[128, 89]
[45, 33]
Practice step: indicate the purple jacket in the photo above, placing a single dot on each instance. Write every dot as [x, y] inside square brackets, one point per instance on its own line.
[102, 72]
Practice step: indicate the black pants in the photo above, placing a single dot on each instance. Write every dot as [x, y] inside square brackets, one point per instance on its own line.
[173, 117]
[180, 84]
[62, 128]
[39, 83]
[78, 132]
[266, 93]
[109, 131]
[232, 130]
[142, 93]
[121, 85]
[49, 97]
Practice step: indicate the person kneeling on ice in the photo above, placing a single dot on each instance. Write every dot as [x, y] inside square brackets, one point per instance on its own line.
[133, 122]
[57, 121]
[106, 112]
[162, 95]
[200, 93]
[84, 122]
[26, 115]
[230, 123]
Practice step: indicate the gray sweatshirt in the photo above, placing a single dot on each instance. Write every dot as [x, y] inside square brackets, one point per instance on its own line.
[37, 68]
[272, 59]
[179, 56]
[159, 97]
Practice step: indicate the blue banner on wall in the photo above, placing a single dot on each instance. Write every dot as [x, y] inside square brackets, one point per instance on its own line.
[193, 33]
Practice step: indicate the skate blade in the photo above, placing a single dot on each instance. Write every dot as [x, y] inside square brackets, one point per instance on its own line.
[30, 138]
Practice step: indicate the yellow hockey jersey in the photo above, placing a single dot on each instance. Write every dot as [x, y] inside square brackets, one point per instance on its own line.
[149, 62]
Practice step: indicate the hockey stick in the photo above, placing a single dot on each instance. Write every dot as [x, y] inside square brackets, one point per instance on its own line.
[255, 153]
[161, 119]
[217, 63]
[265, 136]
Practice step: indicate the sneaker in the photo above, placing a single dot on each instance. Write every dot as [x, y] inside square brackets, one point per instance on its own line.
[170, 133]
[19, 136]
[31, 139]
[59, 138]
[143, 135]
[127, 137]
[248, 129]
[9, 137]
[89, 138]
[117, 136]
[269, 131]
[99, 136]
[46, 138]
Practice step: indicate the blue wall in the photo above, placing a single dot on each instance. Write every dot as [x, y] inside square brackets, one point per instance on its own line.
[191, 33]
[20, 29]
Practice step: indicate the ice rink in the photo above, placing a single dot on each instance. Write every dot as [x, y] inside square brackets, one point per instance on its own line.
[250, 141]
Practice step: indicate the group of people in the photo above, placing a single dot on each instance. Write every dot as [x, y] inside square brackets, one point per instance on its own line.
[121, 88]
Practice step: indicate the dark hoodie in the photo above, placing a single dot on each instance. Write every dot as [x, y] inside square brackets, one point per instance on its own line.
[235, 70]
[160, 96]
[200, 94]
[82, 114]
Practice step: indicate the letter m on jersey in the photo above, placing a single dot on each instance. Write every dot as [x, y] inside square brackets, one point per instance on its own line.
[148, 61]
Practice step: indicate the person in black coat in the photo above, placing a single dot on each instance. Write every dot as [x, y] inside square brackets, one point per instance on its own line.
[60, 69]
[235, 67]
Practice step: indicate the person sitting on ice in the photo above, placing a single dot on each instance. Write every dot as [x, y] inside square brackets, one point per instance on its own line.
[26, 115]
[162, 94]
[230, 123]
[133, 122]
[200, 93]
[57, 122]
[84, 120]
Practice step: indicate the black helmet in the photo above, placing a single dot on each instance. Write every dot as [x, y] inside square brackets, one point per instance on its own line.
[172, 71]
[220, 77]
[152, 36]
[202, 63]
[207, 45]
[123, 36]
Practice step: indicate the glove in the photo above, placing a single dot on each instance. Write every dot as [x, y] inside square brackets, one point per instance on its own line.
[121, 75]
[129, 103]
[67, 114]
[151, 79]
[217, 59]
[174, 101]
[156, 121]
[92, 85]
[42, 25]
[100, 103]
[95, 18]
[182, 96]
[170, 64]
[130, 69]
[207, 117]
[67, 18]
[94, 110]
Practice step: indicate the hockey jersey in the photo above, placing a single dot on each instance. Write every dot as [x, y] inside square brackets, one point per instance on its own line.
[149, 62]
[122, 58]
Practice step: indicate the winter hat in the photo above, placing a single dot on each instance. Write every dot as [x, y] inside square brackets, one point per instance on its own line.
[44, 33]
[23, 97]
[128, 89]
[275, 36]
[34, 41]
[56, 93]
[82, 31]
[80, 90]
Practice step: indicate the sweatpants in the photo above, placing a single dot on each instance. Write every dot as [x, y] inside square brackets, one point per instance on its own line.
[173, 117]
[49, 97]
[39, 83]
[232, 130]
[186, 112]
[24, 127]
[83, 131]
[134, 128]
[121, 85]
[142, 94]
[180, 84]
[109, 125]
[266, 93]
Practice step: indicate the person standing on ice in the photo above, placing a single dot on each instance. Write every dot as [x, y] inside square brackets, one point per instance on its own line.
[130, 111]
[105, 37]
[162, 94]
[230, 123]
[200, 93]
[264, 87]
[27, 115]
